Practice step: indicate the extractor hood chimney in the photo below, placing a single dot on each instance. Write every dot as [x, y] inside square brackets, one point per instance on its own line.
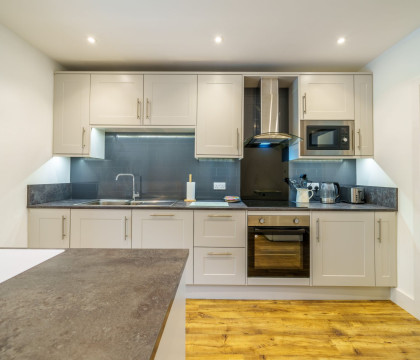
[273, 124]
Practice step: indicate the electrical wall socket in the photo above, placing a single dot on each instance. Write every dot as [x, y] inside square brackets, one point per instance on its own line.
[313, 184]
[219, 186]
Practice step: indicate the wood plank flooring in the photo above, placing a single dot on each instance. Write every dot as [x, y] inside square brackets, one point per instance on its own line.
[259, 329]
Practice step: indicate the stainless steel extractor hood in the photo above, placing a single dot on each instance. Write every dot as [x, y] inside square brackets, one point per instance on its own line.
[273, 126]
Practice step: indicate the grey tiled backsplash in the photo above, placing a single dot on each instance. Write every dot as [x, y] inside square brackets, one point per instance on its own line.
[161, 165]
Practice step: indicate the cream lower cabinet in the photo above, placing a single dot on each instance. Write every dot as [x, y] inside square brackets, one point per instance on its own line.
[49, 228]
[219, 247]
[101, 229]
[386, 249]
[165, 229]
[343, 250]
[219, 116]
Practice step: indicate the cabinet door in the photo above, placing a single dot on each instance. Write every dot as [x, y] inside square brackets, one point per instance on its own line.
[49, 228]
[219, 266]
[101, 229]
[327, 97]
[116, 99]
[363, 117]
[343, 248]
[219, 116]
[165, 229]
[385, 249]
[170, 100]
[220, 228]
[71, 114]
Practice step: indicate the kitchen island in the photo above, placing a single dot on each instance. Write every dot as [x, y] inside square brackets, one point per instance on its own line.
[96, 304]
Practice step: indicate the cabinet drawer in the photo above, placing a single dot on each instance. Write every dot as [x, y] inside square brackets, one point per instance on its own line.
[220, 228]
[219, 266]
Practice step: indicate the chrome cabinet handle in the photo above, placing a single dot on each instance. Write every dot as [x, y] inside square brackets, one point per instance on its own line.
[237, 139]
[138, 109]
[304, 103]
[83, 138]
[162, 214]
[63, 234]
[125, 227]
[219, 254]
[360, 139]
[380, 230]
[317, 230]
[147, 109]
[219, 215]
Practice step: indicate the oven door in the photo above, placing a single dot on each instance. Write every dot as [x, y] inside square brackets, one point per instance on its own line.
[278, 252]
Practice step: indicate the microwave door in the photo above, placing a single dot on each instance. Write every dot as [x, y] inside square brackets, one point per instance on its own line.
[323, 138]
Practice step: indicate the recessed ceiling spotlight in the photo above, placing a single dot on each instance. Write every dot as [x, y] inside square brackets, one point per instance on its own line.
[341, 41]
[218, 39]
[91, 40]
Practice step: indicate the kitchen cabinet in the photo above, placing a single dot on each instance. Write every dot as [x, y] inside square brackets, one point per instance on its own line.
[224, 228]
[165, 229]
[116, 99]
[49, 228]
[327, 97]
[103, 228]
[219, 116]
[363, 117]
[170, 100]
[343, 250]
[219, 266]
[72, 135]
[219, 247]
[385, 249]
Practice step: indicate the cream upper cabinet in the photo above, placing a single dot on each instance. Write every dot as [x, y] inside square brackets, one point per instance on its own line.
[165, 229]
[386, 248]
[103, 228]
[72, 134]
[170, 100]
[343, 250]
[49, 228]
[116, 99]
[327, 97]
[219, 116]
[363, 117]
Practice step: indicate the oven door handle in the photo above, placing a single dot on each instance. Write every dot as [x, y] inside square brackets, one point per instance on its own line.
[280, 232]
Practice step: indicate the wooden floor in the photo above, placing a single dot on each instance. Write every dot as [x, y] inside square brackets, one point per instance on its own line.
[248, 329]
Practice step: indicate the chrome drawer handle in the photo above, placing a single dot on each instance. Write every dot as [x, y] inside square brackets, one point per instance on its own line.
[317, 229]
[380, 230]
[125, 227]
[219, 254]
[162, 214]
[63, 234]
[219, 215]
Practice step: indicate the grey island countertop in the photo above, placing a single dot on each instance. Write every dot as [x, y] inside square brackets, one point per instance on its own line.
[90, 304]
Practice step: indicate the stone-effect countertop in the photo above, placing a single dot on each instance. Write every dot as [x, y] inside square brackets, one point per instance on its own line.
[89, 304]
[181, 205]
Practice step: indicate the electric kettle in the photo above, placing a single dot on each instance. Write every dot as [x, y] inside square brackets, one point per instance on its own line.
[329, 192]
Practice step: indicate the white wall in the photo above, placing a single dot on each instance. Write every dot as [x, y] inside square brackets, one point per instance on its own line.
[26, 107]
[396, 88]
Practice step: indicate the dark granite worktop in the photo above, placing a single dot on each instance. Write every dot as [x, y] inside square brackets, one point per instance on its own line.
[181, 205]
[90, 304]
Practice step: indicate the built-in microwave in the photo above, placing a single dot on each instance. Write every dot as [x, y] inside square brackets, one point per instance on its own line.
[327, 138]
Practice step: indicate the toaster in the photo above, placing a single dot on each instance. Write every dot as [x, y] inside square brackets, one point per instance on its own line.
[352, 194]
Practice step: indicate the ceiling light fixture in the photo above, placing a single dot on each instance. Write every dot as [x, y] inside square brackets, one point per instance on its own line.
[91, 40]
[218, 39]
[341, 41]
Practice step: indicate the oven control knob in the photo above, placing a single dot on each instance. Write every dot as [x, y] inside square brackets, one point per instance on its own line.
[261, 220]
[296, 220]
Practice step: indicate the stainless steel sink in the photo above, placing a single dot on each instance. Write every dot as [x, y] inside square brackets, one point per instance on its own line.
[120, 202]
[153, 202]
[107, 202]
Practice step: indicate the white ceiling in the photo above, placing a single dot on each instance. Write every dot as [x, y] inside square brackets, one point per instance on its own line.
[259, 35]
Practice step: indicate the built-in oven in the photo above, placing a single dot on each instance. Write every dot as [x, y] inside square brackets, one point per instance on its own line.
[327, 138]
[278, 247]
